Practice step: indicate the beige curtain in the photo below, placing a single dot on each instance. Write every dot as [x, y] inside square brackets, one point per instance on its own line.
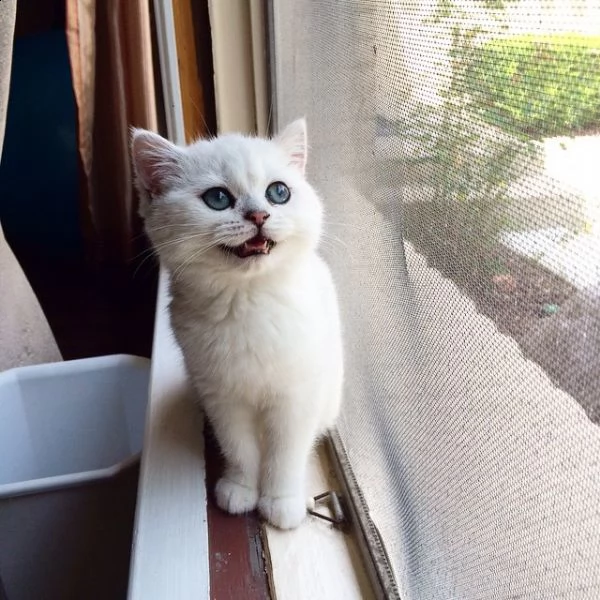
[110, 47]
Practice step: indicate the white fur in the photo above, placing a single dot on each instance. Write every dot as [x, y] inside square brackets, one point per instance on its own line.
[260, 336]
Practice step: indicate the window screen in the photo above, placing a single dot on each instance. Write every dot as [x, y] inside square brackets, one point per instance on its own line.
[456, 145]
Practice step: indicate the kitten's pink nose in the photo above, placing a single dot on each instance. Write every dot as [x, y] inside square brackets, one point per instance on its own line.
[258, 217]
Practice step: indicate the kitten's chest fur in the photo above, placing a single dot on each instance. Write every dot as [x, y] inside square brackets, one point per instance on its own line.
[255, 339]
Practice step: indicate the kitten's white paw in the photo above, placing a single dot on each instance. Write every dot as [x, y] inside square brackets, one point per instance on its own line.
[286, 513]
[234, 497]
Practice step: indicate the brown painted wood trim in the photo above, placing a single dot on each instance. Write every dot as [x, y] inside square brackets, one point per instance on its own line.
[191, 26]
[204, 64]
[238, 568]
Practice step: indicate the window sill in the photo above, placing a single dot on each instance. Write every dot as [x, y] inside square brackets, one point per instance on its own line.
[170, 548]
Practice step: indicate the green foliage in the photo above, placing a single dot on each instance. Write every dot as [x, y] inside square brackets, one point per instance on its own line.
[473, 166]
[537, 85]
[472, 162]
[449, 10]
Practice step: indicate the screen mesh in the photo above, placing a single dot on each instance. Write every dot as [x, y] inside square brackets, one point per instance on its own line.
[456, 145]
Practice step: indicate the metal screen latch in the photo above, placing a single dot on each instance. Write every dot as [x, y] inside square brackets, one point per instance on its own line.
[335, 503]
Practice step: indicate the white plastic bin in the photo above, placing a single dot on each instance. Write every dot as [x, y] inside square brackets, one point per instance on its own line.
[70, 438]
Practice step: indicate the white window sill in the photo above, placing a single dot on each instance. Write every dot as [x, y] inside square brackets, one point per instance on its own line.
[170, 544]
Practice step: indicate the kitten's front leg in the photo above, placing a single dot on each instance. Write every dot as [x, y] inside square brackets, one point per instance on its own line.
[289, 440]
[235, 428]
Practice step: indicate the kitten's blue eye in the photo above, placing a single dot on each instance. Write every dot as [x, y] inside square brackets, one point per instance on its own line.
[278, 193]
[218, 198]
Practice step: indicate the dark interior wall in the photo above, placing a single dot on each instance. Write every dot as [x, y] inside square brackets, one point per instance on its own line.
[39, 206]
[39, 16]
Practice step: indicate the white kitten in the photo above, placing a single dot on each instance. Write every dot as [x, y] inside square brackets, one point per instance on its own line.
[254, 307]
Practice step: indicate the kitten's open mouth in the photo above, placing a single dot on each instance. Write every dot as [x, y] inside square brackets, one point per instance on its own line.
[252, 247]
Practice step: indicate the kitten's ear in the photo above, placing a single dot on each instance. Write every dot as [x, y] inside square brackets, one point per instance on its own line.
[156, 161]
[293, 140]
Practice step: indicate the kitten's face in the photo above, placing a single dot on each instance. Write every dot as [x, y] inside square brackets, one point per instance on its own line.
[233, 204]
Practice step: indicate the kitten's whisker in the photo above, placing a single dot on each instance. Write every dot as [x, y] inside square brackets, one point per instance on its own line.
[177, 225]
[138, 236]
[154, 250]
[140, 254]
[148, 253]
[216, 241]
[199, 111]
[336, 250]
[182, 240]
[336, 254]
[340, 224]
[177, 274]
[144, 261]
[328, 237]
